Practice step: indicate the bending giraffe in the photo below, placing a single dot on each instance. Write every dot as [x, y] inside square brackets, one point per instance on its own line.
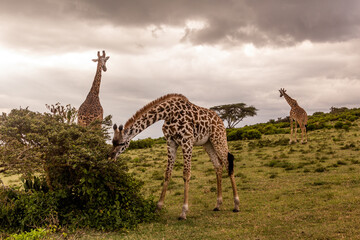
[185, 125]
[298, 114]
[91, 109]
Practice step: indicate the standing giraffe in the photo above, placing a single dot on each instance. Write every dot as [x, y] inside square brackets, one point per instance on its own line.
[91, 109]
[298, 114]
[185, 125]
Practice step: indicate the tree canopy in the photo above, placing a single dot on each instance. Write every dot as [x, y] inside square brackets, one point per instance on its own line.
[234, 113]
[68, 178]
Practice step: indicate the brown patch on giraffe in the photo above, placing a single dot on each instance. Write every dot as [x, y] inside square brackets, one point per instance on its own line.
[185, 125]
[150, 106]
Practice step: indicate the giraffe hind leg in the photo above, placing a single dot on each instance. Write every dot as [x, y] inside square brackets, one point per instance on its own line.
[218, 169]
[233, 184]
[303, 134]
[227, 160]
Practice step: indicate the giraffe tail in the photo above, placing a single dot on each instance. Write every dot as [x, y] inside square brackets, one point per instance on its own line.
[231, 163]
[306, 127]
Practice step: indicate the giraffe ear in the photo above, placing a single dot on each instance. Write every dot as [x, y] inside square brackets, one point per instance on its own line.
[107, 58]
[94, 60]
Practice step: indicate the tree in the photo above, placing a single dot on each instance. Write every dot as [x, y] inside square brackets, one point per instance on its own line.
[83, 188]
[234, 113]
[67, 114]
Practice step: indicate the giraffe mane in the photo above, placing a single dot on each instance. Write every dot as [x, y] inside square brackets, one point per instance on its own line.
[150, 105]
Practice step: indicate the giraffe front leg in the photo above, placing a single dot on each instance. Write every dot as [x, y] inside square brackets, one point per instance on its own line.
[187, 153]
[171, 148]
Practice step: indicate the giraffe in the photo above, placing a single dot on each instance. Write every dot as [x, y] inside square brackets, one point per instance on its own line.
[91, 109]
[298, 114]
[185, 125]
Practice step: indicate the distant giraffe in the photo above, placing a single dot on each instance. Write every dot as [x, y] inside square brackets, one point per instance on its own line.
[298, 114]
[91, 109]
[185, 125]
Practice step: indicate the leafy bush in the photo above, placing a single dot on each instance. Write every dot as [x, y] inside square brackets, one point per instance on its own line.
[243, 133]
[34, 234]
[235, 134]
[252, 134]
[338, 125]
[78, 185]
[142, 143]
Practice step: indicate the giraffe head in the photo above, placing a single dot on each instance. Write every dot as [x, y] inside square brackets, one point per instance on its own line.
[120, 141]
[282, 92]
[102, 60]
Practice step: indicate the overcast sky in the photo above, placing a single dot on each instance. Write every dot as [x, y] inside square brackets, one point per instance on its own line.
[213, 52]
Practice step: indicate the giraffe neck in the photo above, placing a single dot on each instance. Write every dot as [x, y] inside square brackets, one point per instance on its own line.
[95, 89]
[290, 101]
[157, 110]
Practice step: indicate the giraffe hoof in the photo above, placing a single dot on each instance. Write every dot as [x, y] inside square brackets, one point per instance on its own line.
[216, 209]
[181, 218]
[236, 210]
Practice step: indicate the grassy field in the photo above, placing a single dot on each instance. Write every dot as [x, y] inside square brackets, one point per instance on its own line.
[296, 191]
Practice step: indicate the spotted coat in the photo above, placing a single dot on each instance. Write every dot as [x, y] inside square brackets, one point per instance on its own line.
[298, 115]
[91, 109]
[185, 125]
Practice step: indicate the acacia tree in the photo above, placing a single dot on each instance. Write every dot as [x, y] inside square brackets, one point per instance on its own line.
[234, 113]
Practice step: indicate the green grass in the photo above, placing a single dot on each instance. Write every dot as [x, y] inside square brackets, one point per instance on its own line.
[296, 191]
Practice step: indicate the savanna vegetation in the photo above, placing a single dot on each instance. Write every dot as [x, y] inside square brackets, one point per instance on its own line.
[68, 180]
[296, 191]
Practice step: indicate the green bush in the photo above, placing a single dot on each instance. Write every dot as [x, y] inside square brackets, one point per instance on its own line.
[339, 125]
[243, 133]
[235, 134]
[83, 187]
[142, 143]
[34, 234]
[252, 134]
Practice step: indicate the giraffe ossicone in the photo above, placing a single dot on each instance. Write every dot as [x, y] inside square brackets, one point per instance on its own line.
[298, 115]
[91, 109]
[185, 125]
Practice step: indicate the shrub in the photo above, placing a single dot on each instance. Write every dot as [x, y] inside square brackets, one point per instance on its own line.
[235, 134]
[34, 234]
[338, 125]
[243, 133]
[83, 187]
[142, 143]
[252, 134]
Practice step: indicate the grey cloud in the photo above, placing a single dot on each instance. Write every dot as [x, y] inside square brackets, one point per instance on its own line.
[270, 22]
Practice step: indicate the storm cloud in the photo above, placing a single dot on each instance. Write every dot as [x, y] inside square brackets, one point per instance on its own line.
[214, 52]
[263, 23]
